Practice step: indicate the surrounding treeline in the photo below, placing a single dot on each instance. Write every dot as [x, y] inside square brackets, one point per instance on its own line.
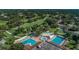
[16, 23]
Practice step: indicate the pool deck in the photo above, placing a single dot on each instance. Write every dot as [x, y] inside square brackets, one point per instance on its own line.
[62, 43]
[36, 39]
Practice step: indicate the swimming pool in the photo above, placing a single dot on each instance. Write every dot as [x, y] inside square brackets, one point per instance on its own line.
[29, 41]
[43, 38]
[57, 40]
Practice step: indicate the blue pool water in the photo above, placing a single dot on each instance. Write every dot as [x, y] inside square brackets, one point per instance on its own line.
[29, 41]
[57, 40]
[43, 38]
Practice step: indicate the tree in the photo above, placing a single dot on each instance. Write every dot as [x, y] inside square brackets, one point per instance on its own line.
[17, 47]
[71, 44]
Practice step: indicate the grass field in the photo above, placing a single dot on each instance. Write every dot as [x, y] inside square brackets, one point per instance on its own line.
[3, 22]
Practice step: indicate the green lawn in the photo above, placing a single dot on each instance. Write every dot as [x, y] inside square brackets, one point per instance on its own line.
[38, 22]
[57, 31]
[3, 22]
